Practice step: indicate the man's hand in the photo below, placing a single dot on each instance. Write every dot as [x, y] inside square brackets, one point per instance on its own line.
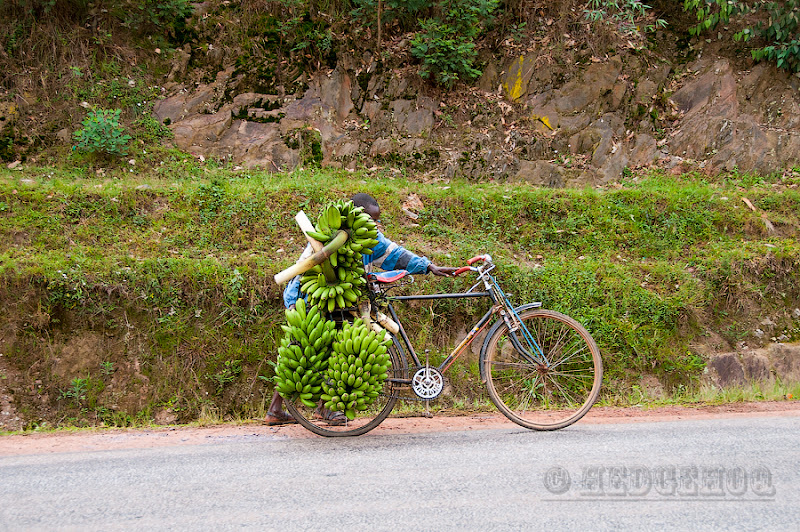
[443, 271]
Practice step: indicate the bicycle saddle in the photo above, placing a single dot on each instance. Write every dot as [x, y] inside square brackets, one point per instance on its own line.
[387, 277]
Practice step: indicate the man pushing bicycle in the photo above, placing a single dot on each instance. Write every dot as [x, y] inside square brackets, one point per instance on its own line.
[386, 255]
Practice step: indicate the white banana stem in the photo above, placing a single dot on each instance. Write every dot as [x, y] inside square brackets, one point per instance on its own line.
[305, 226]
[317, 258]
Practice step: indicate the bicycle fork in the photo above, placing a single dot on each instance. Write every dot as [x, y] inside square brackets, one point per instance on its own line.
[534, 353]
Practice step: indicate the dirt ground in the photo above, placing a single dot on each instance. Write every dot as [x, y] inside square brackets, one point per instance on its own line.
[115, 439]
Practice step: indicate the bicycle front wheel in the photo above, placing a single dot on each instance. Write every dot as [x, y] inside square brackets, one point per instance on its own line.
[332, 424]
[546, 391]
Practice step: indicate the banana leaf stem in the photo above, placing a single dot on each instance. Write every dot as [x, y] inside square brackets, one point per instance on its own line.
[338, 240]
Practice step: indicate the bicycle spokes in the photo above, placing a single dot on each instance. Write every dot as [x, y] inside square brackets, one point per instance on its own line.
[550, 391]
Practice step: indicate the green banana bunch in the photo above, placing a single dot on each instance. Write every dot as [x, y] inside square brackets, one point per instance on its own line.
[343, 293]
[347, 262]
[304, 353]
[357, 369]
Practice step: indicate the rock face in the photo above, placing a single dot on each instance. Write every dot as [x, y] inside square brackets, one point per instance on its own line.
[778, 361]
[745, 121]
[542, 173]
[9, 417]
[728, 370]
[540, 126]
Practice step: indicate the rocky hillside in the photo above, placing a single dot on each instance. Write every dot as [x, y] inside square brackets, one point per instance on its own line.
[547, 120]
[561, 103]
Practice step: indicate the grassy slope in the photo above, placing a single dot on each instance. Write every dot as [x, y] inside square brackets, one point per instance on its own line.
[181, 259]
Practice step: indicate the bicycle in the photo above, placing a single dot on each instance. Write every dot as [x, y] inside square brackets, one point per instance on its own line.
[542, 369]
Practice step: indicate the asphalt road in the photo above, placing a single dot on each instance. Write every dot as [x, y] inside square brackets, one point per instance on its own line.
[712, 474]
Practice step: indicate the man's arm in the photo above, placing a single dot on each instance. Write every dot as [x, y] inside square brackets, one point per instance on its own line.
[388, 255]
[443, 271]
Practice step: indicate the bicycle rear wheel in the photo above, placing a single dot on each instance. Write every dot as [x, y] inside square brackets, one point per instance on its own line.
[314, 419]
[550, 393]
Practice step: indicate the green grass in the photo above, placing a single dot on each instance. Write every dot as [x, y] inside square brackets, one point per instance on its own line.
[703, 394]
[176, 263]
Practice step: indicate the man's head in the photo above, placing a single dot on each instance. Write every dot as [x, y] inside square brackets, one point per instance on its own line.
[368, 203]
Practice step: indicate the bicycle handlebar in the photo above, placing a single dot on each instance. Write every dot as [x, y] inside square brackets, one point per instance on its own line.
[473, 260]
[477, 258]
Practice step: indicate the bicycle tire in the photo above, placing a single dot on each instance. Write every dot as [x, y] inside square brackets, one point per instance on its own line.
[543, 396]
[366, 420]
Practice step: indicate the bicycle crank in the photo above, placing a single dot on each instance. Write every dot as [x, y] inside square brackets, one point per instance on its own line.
[427, 383]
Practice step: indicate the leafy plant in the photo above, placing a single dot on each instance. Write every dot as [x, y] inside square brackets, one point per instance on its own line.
[306, 38]
[228, 373]
[114, 418]
[102, 134]
[445, 54]
[67, 289]
[625, 15]
[405, 12]
[781, 30]
[711, 12]
[446, 44]
[147, 15]
[777, 27]
[517, 31]
[235, 286]
[210, 199]
[77, 391]
[6, 147]
[107, 368]
[149, 129]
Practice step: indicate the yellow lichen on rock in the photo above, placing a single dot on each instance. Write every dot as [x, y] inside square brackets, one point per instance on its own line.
[544, 120]
[515, 87]
[8, 112]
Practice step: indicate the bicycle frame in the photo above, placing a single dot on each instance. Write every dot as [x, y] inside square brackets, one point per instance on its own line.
[500, 304]
[541, 387]
[479, 326]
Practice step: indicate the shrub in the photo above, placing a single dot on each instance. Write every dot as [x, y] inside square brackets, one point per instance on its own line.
[446, 55]
[625, 15]
[156, 13]
[404, 12]
[778, 28]
[446, 44]
[6, 146]
[780, 33]
[102, 134]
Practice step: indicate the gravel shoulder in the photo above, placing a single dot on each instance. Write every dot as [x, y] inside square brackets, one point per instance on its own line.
[64, 441]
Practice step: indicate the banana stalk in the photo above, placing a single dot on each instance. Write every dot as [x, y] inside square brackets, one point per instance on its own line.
[305, 225]
[339, 239]
[387, 323]
[364, 310]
